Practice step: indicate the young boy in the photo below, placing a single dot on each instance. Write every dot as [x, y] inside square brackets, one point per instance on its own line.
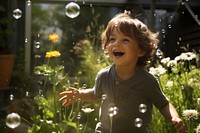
[129, 92]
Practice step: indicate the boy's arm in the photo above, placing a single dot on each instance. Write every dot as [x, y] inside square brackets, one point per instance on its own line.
[170, 113]
[73, 95]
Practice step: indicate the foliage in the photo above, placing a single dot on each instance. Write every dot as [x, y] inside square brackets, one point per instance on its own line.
[179, 79]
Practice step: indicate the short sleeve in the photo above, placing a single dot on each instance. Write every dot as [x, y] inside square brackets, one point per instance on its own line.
[155, 93]
[98, 85]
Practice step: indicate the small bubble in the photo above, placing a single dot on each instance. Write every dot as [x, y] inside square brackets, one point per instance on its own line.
[169, 26]
[28, 3]
[78, 116]
[13, 120]
[17, 13]
[11, 97]
[163, 31]
[138, 122]
[37, 45]
[84, 86]
[80, 126]
[72, 10]
[113, 110]
[104, 96]
[27, 94]
[142, 108]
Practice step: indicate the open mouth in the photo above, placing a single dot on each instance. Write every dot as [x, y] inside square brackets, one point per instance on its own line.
[118, 53]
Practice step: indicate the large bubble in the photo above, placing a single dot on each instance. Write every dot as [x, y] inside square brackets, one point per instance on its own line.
[17, 13]
[13, 120]
[72, 10]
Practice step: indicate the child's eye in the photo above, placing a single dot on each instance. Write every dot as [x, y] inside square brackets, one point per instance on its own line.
[126, 40]
[111, 39]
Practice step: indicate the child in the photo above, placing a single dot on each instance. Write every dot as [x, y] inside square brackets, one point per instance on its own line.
[128, 92]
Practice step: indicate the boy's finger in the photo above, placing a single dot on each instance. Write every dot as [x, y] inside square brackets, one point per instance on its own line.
[62, 98]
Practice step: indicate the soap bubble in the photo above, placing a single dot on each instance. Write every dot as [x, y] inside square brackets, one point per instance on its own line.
[72, 10]
[104, 96]
[17, 13]
[113, 110]
[142, 108]
[37, 44]
[11, 97]
[138, 122]
[13, 120]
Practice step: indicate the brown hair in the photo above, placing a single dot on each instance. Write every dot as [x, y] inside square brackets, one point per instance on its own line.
[133, 28]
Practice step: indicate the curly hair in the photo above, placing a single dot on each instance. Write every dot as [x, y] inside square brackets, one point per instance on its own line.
[133, 28]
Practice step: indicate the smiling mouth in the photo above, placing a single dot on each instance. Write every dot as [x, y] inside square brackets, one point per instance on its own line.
[119, 54]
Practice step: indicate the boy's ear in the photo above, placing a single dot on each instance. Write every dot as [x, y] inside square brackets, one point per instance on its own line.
[141, 53]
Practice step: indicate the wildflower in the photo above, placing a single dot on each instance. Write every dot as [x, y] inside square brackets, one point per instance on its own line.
[172, 63]
[165, 60]
[53, 37]
[186, 56]
[190, 114]
[198, 101]
[198, 129]
[52, 54]
[87, 110]
[169, 84]
[157, 71]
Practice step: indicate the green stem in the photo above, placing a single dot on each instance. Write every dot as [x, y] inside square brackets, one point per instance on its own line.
[85, 125]
[111, 124]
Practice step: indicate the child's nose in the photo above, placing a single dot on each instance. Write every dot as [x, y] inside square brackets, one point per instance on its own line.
[117, 43]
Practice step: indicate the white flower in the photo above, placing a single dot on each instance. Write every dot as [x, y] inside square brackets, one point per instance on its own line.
[87, 110]
[165, 60]
[172, 63]
[190, 114]
[198, 129]
[169, 84]
[186, 56]
[198, 101]
[157, 71]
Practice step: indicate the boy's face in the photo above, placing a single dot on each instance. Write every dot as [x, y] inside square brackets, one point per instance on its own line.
[122, 49]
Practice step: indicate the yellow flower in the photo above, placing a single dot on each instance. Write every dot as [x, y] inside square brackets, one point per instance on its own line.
[53, 37]
[52, 54]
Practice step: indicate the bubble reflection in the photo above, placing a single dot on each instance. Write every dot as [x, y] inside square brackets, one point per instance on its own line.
[113, 110]
[13, 120]
[142, 108]
[72, 10]
[138, 122]
[17, 13]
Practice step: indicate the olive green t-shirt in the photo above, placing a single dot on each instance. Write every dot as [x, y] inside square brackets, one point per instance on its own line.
[127, 105]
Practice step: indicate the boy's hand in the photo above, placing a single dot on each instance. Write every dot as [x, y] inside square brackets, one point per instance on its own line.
[179, 125]
[69, 97]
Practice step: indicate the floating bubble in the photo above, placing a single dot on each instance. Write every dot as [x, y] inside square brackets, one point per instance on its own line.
[113, 110]
[84, 86]
[138, 122]
[11, 97]
[142, 108]
[104, 96]
[13, 120]
[78, 116]
[37, 45]
[163, 31]
[80, 126]
[17, 13]
[169, 26]
[72, 10]
[28, 3]
[27, 94]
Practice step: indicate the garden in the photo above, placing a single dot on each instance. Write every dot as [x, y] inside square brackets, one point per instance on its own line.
[70, 55]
